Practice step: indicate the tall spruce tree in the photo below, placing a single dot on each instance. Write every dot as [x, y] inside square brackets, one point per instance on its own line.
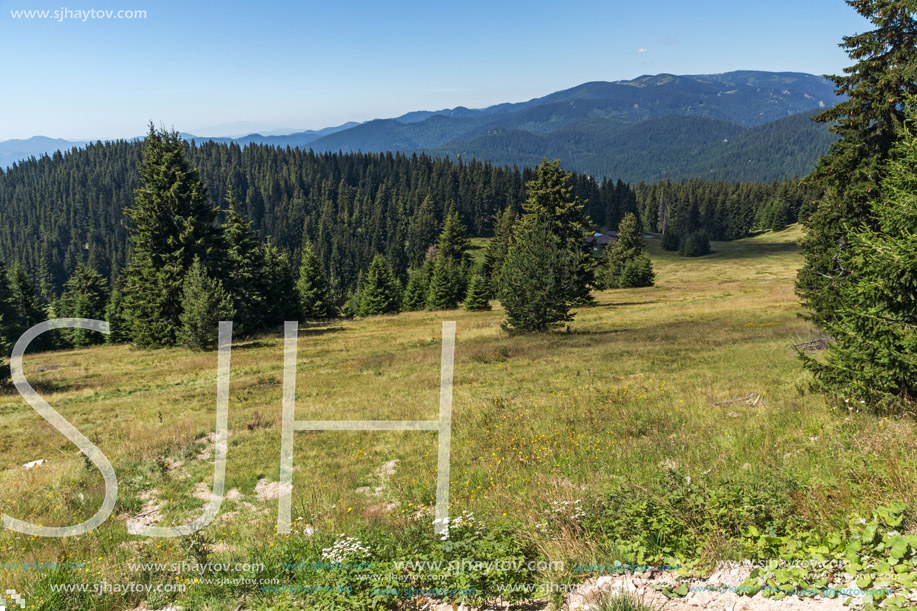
[278, 286]
[118, 326]
[552, 204]
[495, 253]
[868, 123]
[445, 290]
[245, 267]
[873, 357]
[453, 243]
[381, 293]
[171, 224]
[423, 231]
[7, 324]
[204, 305]
[448, 279]
[85, 295]
[28, 309]
[312, 287]
[537, 279]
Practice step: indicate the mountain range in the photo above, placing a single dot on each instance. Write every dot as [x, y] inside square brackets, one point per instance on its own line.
[745, 125]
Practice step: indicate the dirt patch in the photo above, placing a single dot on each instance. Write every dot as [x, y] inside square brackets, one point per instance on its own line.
[210, 439]
[387, 469]
[202, 492]
[377, 511]
[149, 515]
[267, 491]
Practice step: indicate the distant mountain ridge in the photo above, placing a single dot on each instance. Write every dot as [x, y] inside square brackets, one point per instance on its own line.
[744, 125]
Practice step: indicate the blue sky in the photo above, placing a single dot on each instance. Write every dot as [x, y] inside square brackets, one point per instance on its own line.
[309, 65]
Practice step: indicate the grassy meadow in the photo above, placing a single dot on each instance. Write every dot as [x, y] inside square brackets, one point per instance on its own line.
[661, 424]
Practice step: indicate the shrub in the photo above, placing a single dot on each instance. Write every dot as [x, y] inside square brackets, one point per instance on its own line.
[697, 244]
[671, 241]
[638, 273]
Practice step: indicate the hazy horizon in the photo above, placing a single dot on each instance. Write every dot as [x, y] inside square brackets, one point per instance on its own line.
[309, 66]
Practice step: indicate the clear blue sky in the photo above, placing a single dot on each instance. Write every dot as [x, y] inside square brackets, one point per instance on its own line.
[306, 64]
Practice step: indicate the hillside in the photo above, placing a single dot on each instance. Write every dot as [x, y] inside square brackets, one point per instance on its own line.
[682, 406]
[649, 128]
[667, 148]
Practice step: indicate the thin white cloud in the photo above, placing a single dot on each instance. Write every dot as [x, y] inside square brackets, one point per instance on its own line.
[641, 51]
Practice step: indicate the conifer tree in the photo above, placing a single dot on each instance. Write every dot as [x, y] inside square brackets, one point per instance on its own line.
[537, 278]
[696, 244]
[172, 223]
[626, 265]
[245, 267]
[381, 293]
[448, 279]
[453, 243]
[4, 355]
[119, 332]
[351, 305]
[312, 288]
[204, 305]
[25, 301]
[551, 202]
[415, 293]
[28, 309]
[423, 231]
[638, 272]
[85, 295]
[278, 287]
[444, 292]
[671, 241]
[495, 253]
[868, 122]
[9, 323]
[478, 297]
[873, 357]
[779, 213]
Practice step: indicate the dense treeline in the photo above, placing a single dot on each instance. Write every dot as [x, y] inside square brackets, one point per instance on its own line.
[67, 209]
[725, 210]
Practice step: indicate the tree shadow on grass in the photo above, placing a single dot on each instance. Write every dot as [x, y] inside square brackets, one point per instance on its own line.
[621, 304]
[319, 331]
[725, 251]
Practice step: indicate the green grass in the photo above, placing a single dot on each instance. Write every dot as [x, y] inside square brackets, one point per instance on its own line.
[646, 390]
[623, 602]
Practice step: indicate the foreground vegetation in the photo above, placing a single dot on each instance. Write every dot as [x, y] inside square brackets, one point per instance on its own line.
[671, 423]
